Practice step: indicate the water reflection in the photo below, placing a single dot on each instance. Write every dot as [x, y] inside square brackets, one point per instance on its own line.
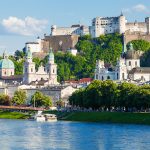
[24, 135]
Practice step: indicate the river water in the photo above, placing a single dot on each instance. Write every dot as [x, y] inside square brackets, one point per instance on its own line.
[31, 135]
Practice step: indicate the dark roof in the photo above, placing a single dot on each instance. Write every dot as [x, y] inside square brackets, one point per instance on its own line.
[140, 70]
[14, 77]
[41, 82]
[32, 43]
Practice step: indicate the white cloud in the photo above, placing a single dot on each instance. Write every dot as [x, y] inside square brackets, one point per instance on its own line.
[28, 26]
[136, 8]
[140, 7]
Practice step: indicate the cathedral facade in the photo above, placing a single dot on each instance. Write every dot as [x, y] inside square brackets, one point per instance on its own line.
[47, 73]
[127, 68]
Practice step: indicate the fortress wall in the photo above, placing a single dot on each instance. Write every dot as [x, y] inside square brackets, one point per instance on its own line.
[134, 27]
[136, 36]
[60, 42]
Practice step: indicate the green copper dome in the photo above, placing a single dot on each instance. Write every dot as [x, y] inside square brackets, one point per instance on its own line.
[6, 64]
[29, 54]
[51, 55]
[131, 46]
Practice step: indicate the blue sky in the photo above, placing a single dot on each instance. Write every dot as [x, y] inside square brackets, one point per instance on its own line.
[24, 20]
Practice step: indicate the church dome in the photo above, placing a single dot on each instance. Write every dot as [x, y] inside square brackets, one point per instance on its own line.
[51, 55]
[6, 64]
[131, 53]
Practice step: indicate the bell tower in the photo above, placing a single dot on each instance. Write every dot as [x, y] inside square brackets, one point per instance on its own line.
[52, 68]
[29, 68]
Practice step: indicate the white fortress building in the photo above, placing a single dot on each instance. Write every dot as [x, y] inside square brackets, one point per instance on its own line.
[34, 46]
[104, 25]
[127, 68]
[47, 74]
[74, 29]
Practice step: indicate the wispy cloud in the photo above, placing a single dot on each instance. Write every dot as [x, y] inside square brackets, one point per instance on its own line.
[27, 26]
[140, 8]
[136, 8]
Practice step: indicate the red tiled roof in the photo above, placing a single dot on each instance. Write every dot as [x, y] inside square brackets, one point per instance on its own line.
[85, 80]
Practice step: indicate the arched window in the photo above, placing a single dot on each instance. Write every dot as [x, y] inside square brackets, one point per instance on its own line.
[129, 63]
[117, 76]
[108, 77]
[123, 76]
[102, 78]
[96, 76]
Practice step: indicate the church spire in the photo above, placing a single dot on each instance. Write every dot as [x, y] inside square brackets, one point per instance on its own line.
[124, 44]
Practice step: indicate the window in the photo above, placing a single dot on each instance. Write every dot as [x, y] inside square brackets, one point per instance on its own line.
[136, 63]
[117, 76]
[123, 76]
[26, 69]
[11, 72]
[31, 69]
[53, 71]
[108, 77]
[96, 76]
[102, 78]
[129, 63]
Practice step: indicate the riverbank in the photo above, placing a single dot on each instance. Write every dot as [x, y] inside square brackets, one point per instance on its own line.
[13, 115]
[104, 117]
[109, 117]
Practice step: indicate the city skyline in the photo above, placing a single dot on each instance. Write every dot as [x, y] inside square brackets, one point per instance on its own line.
[23, 21]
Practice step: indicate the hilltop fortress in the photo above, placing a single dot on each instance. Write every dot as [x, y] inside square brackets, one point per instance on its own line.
[65, 38]
[104, 25]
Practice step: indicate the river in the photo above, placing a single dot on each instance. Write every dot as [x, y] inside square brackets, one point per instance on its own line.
[31, 135]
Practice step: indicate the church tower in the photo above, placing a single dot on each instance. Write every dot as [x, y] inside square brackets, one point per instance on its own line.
[121, 69]
[29, 68]
[52, 68]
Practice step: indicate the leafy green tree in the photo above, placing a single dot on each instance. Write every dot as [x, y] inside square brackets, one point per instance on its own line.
[19, 97]
[60, 103]
[141, 45]
[5, 100]
[19, 54]
[38, 99]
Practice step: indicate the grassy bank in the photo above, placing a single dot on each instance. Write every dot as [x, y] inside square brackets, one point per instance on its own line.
[13, 115]
[110, 117]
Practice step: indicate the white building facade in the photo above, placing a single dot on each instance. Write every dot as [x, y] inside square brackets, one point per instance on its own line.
[127, 68]
[74, 29]
[104, 25]
[48, 73]
[34, 46]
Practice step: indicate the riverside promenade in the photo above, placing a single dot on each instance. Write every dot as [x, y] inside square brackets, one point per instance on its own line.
[21, 108]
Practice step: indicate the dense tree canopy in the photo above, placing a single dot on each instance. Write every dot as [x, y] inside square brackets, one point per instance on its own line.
[141, 45]
[107, 95]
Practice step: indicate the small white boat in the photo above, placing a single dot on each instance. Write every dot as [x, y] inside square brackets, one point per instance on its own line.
[44, 117]
[50, 117]
[39, 117]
